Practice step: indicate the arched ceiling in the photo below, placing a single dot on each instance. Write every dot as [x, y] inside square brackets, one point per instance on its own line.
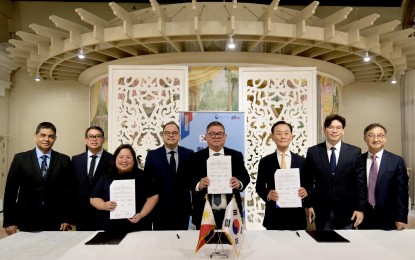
[205, 27]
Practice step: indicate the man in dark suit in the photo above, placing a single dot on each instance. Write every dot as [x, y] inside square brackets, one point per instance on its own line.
[166, 165]
[280, 218]
[39, 187]
[335, 180]
[387, 178]
[215, 138]
[89, 167]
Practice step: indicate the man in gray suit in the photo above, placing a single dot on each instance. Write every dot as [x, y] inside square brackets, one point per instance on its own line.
[335, 180]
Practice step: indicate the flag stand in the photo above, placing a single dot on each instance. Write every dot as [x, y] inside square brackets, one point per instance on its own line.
[221, 253]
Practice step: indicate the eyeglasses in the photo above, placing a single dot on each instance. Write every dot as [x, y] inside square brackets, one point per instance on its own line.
[94, 137]
[218, 134]
[171, 133]
[373, 136]
[332, 128]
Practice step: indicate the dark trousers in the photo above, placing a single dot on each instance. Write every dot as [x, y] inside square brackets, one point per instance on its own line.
[331, 223]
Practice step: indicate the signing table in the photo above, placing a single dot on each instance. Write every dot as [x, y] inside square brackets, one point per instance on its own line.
[181, 244]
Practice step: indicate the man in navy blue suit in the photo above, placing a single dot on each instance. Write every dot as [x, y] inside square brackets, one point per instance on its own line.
[335, 180]
[89, 166]
[215, 138]
[39, 188]
[387, 206]
[166, 165]
[280, 218]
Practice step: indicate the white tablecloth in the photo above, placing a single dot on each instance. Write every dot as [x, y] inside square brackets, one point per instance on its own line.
[166, 245]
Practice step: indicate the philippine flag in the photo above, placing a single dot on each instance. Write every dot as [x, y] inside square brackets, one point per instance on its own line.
[207, 227]
[232, 226]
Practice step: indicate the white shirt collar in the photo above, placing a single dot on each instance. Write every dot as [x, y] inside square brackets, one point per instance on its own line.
[221, 151]
[98, 154]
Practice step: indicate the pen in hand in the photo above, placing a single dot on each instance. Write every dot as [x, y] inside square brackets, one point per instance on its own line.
[298, 234]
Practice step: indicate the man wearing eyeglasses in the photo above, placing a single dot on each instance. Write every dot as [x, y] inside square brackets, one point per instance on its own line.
[215, 138]
[387, 179]
[166, 165]
[38, 194]
[335, 180]
[89, 166]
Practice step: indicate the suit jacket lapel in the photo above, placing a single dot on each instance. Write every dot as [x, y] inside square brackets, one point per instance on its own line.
[342, 155]
[84, 163]
[324, 158]
[384, 161]
[181, 157]
[51, 164]
[101, 162]
[163, 155]
[35, 162]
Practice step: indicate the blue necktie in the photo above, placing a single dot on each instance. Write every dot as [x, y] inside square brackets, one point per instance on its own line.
[217, 198]
[44, 166]
[333, 160]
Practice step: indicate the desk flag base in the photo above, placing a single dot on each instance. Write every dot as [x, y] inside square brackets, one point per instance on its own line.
[221, 253]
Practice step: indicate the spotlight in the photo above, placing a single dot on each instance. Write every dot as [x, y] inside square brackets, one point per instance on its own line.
[393, 80]
[81, 54]
[366, 58]
[37, 77]
[231, 44]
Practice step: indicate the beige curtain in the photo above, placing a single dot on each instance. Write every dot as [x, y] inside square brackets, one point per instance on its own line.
[408, 125]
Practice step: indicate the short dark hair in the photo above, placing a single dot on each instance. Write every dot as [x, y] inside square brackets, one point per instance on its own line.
[281, 122]
[171, 123]
[45, 125]
[214, 123]
[113, 169]
[95, 128]
[332, 117]
[371, 126]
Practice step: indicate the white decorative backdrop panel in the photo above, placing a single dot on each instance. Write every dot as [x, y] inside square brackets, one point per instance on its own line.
[269, 95]
[141, 100]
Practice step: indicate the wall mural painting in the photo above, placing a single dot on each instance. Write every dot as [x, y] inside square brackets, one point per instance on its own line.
[331, 96]
[214, 88]
[98, 106]
[270, 96]
[143, 99]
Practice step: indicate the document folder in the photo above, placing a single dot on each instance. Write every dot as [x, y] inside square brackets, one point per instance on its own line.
[106, 238]
[327, 237]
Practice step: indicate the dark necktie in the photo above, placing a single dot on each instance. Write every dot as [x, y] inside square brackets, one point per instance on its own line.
[217, 198]
[373, 175]
[92, 168]
[44, 166]
[172, 162]
[333, 160]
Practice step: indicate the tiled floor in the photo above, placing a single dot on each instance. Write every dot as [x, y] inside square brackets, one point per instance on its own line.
[411, 223]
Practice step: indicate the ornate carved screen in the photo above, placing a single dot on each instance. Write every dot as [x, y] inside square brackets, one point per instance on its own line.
[141, 100]
[269, 95]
